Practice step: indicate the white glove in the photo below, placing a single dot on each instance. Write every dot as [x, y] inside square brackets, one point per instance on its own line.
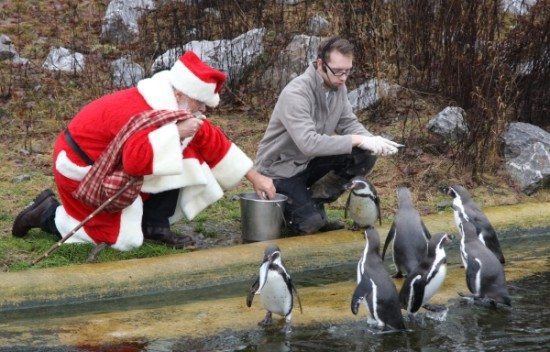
[379, 145]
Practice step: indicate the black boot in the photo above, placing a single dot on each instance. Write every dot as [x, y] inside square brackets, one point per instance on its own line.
[165, 236]
[37, 214]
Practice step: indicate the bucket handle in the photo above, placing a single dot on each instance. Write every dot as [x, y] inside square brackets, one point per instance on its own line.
[282, 213]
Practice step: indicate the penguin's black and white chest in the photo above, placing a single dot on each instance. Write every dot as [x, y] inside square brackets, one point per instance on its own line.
[363, 209]
[276, 293]
[436, 275]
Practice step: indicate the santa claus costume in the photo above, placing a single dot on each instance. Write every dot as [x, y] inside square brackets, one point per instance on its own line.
[201, 167]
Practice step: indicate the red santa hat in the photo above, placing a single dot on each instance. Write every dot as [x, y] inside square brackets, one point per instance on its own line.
[196, 79]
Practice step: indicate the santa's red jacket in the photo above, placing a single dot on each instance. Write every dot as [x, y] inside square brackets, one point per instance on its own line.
[201, 167]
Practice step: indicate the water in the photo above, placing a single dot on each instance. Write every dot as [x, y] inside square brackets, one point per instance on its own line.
[466, 327]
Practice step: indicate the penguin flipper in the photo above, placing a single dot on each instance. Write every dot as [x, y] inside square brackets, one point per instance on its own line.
[472, 269]
[418, 287]
[425, 231]
[377, 203]
[252, 292]
[363, 289]
[389, 238]
[347, 206]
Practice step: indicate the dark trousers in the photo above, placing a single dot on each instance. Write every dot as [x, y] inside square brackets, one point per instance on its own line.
[159, 207]
[320, 183]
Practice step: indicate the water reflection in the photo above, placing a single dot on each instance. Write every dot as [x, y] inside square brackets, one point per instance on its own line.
[467, 327]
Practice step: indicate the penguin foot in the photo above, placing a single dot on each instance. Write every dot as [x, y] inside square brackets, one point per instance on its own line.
[268, 320]
[466, 295]
[287, 328]
[436, 308]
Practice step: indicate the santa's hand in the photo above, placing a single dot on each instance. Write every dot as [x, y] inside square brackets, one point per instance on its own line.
[379, 145]
[189, 127]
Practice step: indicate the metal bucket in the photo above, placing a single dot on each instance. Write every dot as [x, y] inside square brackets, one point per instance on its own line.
[261, 219]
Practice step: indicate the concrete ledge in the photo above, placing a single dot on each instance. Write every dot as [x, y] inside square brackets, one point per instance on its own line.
[100, 281]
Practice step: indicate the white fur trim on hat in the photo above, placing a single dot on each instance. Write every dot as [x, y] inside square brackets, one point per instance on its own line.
[188, 83]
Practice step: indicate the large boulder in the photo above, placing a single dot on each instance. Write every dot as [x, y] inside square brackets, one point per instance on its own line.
[527, 154]
[120, 23]
[291, 62]
[449, 124]
[232, 56]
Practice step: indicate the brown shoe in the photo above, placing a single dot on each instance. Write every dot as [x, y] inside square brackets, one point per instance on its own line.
[165, 236]
[30, 217]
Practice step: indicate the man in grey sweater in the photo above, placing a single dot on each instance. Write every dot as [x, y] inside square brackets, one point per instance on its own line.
[314, 143]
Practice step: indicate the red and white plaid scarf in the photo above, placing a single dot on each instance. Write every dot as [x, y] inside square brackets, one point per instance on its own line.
[107, 176]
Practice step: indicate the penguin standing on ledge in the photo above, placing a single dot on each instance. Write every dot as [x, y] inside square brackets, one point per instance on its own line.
[275, 288]
[363, 203]
[484, 273]
[465, 209]
[426, 279]
[409, 234]
[375, 287]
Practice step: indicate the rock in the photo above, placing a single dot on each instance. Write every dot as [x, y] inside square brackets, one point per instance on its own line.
[291, 62]
[531, 169]
[369, 93]
[518, 7]
[62, 59]
[7, 52]
[449, 123]
[318, 25]
[288, 2]
[126, 73]
[527, 154]
[231, 56]
[521, 135]
[120, 23]
[21, 178]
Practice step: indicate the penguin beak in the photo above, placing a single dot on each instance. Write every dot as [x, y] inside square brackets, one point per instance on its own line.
[349, 185]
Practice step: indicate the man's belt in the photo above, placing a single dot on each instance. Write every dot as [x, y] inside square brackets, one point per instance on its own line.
[76, 148]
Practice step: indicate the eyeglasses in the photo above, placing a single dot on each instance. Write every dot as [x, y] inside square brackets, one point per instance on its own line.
[338, 73]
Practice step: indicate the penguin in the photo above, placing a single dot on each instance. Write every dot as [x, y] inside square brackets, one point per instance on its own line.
[426, 279]
[409, 234]
[484, 272]
[375, 287]
[275, 287]
[464, 207]
[363, 203]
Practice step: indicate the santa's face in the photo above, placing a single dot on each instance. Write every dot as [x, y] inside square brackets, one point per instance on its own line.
[189, 104]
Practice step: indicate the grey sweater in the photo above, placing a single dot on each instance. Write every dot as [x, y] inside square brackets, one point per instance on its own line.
[303, 127]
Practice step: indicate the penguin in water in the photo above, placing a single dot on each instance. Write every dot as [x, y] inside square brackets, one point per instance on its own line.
[375, 287]
[275, 287]
[484, 273]
[426, 279]
[363, 203]
[409, 234]
[465, 208]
